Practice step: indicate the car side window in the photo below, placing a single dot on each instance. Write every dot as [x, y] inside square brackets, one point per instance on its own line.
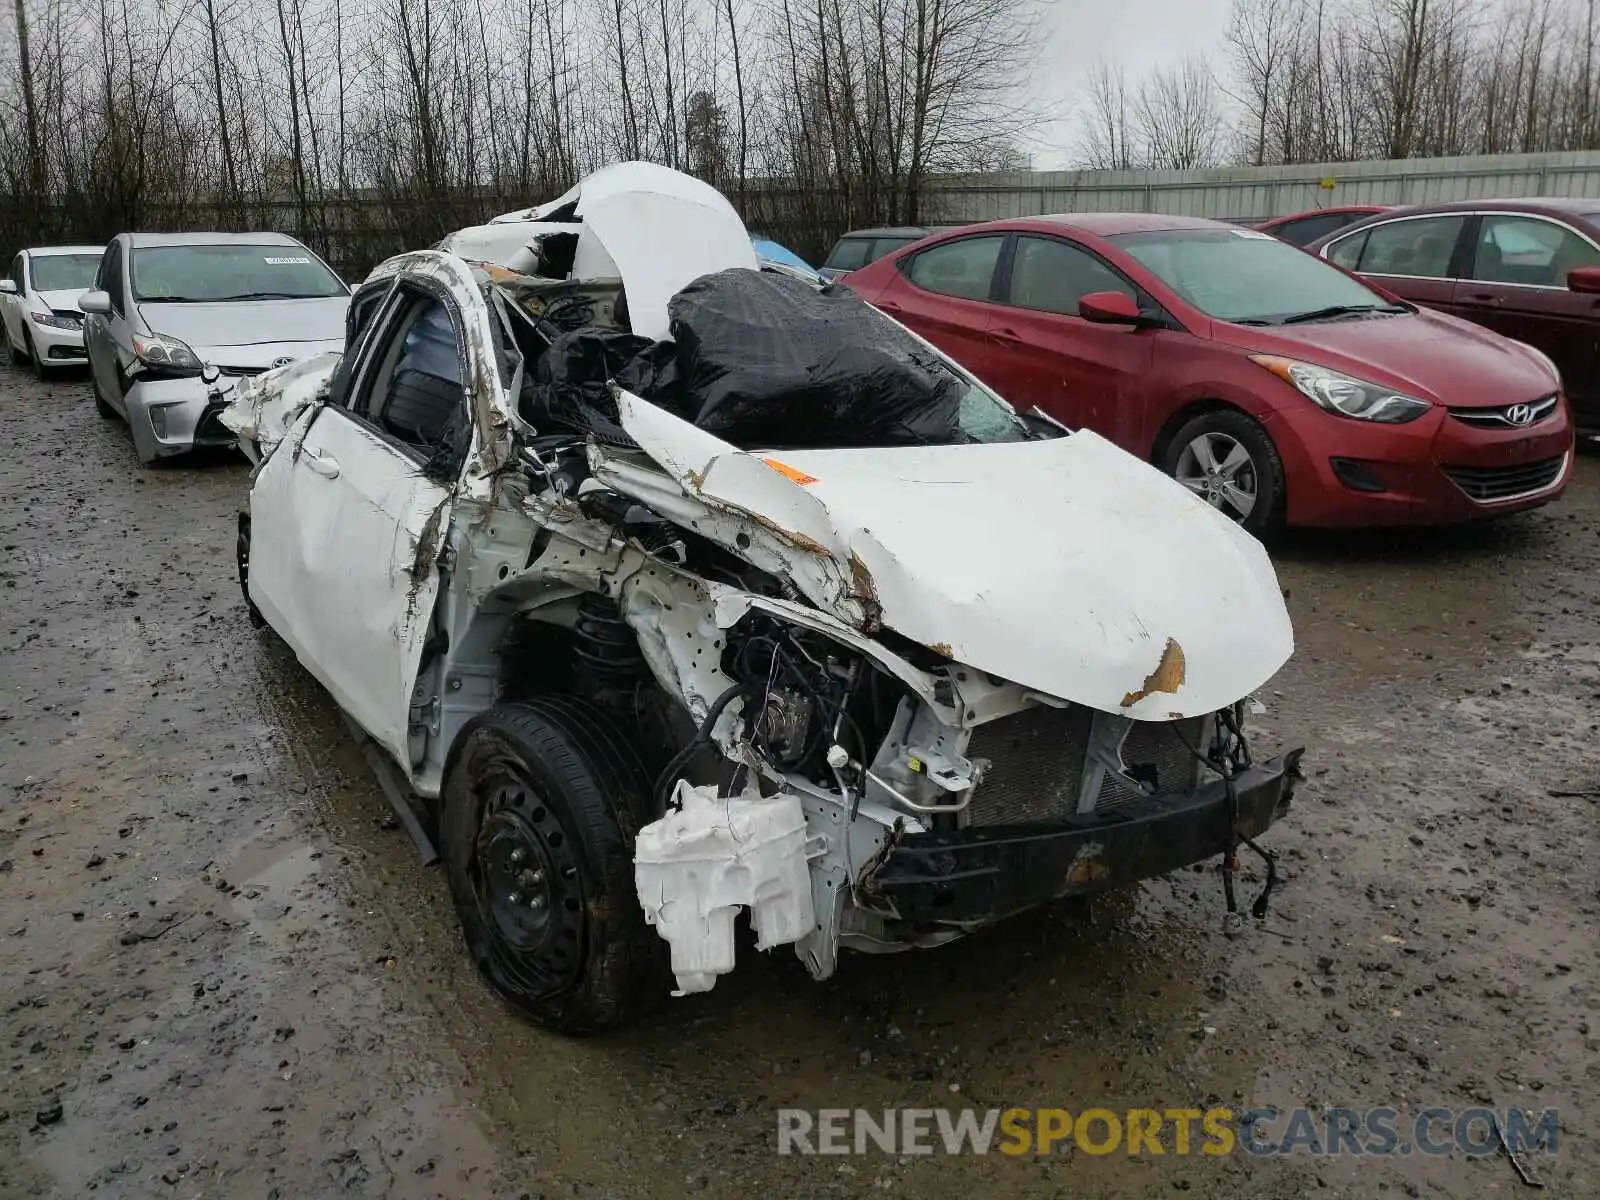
[361, 322]
[1421, 247]
[883, 247]
[1053, 276]
[1346, 252]
[964, 267]
[1529, 251]
[414, 389]
[848, 254]
[18, 274]
[1308, 229]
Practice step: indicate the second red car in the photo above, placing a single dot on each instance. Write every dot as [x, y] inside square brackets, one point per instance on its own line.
[1277, 386]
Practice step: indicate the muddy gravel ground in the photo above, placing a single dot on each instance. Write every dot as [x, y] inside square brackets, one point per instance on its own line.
[224, 974]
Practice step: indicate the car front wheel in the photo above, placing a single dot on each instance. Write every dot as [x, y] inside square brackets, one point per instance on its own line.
[1227, 459]
[538, 812]
[242, 549]
[41, 369]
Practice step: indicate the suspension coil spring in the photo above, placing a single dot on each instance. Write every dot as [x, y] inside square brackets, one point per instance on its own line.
[605, 645]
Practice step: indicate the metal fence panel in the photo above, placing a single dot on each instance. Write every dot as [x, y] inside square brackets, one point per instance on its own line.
[1256, 193]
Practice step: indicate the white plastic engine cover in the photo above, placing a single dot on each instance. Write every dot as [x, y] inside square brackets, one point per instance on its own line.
[698, 865]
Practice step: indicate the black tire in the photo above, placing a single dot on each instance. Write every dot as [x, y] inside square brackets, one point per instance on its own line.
[1264, 469]
[557, 931]
[40, 370]
[26, 354]
[243, 552]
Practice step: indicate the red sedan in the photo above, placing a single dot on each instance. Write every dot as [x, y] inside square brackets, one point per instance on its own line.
[1277, 386]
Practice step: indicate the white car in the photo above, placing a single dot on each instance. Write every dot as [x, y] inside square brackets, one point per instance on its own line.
[788, 613]
[39, 303]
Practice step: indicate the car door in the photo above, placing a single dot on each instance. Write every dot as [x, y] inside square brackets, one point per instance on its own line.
[14, 304]
[1517, 285]
[944, 293]
[1087, 376]
[1416, 258]
[349, 516]
[98, 340]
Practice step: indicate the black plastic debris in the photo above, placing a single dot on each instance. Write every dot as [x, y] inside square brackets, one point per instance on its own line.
[761, 359]
[570, 390]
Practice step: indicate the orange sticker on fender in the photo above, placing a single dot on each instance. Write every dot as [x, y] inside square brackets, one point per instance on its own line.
[788, 472]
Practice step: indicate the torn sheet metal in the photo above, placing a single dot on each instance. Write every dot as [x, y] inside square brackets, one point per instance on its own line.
[264, 407]
[507, 244]
[1065, 565]
[711, 856]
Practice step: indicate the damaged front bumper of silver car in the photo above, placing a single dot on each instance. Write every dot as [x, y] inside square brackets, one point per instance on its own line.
[174, 416]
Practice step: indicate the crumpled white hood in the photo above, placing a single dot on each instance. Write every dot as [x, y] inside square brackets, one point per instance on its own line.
[655, 228]
[1067, 565]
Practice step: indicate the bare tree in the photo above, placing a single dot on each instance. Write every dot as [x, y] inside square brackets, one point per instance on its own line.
[1108, 129]
[1264, 38]
[1178, 115]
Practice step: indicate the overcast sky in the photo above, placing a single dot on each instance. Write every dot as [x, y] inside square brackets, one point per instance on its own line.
[1137, 34]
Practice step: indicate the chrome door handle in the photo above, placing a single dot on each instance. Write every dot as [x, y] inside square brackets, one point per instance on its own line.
[1483, 298]
[323, 464]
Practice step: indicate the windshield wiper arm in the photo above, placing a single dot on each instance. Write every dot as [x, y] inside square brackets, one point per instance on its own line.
[1339, 310]
[260, 296]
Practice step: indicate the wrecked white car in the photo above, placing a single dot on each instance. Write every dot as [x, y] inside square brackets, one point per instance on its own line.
[749, 600]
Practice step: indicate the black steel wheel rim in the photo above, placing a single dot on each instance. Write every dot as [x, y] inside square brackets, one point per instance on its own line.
[525, 877]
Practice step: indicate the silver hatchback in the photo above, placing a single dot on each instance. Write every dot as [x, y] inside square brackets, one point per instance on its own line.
[167, 306]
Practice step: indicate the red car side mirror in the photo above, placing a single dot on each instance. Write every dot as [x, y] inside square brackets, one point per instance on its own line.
[1109, 308]
[1583, 279]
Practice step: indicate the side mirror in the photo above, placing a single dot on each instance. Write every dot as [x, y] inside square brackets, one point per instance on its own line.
[8, 286]
[98, 303]
[1109, 308]
[1583, 279]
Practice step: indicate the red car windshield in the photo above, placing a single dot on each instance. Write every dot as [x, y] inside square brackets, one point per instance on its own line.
[1249, 277]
